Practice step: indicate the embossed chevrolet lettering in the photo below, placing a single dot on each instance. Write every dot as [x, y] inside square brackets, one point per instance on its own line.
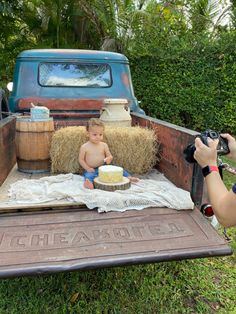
[13, 240]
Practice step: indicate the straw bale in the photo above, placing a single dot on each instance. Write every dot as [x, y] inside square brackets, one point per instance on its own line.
[64, 150]
[135, 149]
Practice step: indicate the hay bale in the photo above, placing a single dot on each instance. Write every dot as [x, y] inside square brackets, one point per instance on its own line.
[135, 149]
[65, 146]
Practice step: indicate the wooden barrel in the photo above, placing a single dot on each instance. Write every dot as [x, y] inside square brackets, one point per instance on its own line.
[33, 140]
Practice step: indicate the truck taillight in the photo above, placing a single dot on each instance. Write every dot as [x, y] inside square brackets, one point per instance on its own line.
[207, 210]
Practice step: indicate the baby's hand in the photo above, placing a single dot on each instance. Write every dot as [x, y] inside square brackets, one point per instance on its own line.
[108, 160]
[90, 170]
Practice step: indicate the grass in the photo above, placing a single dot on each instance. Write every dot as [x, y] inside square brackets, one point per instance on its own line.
[192, 286]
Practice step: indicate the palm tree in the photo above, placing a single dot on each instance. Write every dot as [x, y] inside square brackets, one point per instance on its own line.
[205, 15]
[115, 21]
[233, 13]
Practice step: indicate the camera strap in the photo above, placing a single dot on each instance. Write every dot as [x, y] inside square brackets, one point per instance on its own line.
[227, 167]
[230, 169]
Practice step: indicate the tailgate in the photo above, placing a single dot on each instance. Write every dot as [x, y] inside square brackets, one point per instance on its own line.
[73, 239]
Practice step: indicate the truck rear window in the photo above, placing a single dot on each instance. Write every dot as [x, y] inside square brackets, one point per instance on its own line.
[79, 75]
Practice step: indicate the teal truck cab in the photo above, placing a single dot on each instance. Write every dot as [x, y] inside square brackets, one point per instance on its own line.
[71, 83]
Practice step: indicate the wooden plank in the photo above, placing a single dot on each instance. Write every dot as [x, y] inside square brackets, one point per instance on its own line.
[13, 176]
[7, 147]
[53, 205]
[7, 205]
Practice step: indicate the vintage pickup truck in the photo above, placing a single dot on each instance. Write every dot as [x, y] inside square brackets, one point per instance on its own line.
[53, 238]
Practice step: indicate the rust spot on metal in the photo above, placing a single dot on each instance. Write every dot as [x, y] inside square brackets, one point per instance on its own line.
[58, 124]
[72, 115]
[7, 147]
[61, 104]
[125, 79]
[172, 141]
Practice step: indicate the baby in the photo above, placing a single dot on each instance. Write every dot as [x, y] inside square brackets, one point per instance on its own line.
[95, 153]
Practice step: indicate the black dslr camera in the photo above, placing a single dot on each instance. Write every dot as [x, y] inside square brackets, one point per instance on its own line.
[222, 148]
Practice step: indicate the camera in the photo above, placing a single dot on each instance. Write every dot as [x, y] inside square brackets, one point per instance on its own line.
[222, 148]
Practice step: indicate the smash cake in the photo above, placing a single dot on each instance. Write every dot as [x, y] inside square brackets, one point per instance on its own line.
[110, 174]
[110, 178]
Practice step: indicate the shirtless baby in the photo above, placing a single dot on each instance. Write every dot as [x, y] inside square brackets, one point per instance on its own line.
[95, 153]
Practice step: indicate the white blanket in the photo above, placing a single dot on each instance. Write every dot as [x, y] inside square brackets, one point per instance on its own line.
[154, 191]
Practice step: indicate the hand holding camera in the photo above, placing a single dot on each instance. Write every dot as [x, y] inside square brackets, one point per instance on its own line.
[232, 145]
[204, 151]
[220, 146]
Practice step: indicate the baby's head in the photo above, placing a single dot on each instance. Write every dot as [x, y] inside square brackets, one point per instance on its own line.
[95, 128]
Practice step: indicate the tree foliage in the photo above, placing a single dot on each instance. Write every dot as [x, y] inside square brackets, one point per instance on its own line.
[183, 59]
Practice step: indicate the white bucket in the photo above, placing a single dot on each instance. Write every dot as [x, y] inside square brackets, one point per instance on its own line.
[114, 113]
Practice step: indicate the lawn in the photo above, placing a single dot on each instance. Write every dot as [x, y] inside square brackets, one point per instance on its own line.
[192, 286]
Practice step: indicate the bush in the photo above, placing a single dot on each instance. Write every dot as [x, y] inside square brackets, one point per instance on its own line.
[194, 88]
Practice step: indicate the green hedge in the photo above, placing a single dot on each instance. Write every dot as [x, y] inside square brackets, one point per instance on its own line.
[195, 89]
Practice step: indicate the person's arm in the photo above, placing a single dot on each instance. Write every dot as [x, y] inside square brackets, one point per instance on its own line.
[223, 201]
[108, 155]
[232, 146]
[82, 161]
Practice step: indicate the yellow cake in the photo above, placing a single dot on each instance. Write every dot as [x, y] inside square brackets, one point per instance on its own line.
[110, 174]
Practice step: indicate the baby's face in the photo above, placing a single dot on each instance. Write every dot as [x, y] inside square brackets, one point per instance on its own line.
[95, 134]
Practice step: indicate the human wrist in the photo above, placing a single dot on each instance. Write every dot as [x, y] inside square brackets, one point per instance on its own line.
[208, 163]
[209, 169]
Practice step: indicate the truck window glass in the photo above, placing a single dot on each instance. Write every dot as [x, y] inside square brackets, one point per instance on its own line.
[79, 75]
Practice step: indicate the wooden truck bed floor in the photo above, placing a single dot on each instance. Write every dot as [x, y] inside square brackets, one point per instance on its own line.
[70, 198]
[8, 206]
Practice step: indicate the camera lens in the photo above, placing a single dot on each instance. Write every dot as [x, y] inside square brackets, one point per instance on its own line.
[189, 152]
[213, 134]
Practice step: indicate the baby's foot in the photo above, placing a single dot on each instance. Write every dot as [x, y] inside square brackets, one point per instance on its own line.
[88, 184]
[133, 179]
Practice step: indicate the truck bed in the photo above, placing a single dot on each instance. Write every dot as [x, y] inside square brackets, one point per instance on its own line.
[55, 238]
